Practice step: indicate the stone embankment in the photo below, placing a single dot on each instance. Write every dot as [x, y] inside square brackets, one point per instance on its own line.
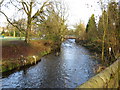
[109, 78]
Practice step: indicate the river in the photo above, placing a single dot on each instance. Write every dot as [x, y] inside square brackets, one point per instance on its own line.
[70, 69]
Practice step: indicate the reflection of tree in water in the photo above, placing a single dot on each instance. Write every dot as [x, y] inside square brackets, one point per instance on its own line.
[24, 72]
[24, 82]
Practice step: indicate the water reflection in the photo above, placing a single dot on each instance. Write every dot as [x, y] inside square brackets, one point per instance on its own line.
[68, 70]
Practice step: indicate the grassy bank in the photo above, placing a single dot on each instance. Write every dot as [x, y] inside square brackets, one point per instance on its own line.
[13, 50]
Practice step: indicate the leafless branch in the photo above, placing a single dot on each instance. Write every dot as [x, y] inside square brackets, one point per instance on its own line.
[24, 7]
[40, 10]
[11, 22]
[14, 5]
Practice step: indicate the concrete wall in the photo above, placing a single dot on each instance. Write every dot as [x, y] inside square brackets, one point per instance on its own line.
[109, 78]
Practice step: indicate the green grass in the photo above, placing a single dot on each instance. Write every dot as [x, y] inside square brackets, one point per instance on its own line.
[11, 38]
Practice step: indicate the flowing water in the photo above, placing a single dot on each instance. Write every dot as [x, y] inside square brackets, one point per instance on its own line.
[70, 69]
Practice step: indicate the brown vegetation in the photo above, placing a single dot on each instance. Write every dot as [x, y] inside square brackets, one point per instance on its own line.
[12, 51]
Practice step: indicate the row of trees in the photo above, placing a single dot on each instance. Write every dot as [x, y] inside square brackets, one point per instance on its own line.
[47, 21]
[107, 31]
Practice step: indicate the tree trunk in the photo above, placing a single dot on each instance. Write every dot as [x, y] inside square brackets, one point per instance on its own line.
[103, 46]
[27, 32]
[105, 27]
[20, 36]
[103, 39]
[27, 37]
[14, 33]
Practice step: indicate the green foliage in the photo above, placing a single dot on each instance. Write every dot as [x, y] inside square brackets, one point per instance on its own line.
[100, 28]
[91, 29]
[3, 32]
[102, 24]
[44, 53]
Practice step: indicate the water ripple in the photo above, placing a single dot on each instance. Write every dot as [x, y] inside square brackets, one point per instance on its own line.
[72, 68]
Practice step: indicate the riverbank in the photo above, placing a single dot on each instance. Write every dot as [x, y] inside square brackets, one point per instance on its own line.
[95, 47]
[13, 53]
[109, 78]
[72, 67]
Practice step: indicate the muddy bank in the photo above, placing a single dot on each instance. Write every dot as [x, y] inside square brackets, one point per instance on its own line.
[18, 54]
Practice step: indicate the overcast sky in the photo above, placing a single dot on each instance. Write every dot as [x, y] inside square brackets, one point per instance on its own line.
[77, 9]
[82, 10]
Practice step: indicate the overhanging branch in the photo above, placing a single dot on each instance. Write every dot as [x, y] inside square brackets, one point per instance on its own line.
[24, 5]
[11, 22]
[40, 10]
[14, 5]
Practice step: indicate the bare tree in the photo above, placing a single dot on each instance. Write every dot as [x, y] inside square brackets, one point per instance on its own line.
[27, 7]
[80, 30]
[103, 8]
[54, 27]
[61, 10]
[110, 25]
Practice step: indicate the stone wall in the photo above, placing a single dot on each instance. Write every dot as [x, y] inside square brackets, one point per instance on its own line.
[109, 78]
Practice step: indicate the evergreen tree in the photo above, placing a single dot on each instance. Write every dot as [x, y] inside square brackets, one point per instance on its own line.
[102, 24]
[91, 29]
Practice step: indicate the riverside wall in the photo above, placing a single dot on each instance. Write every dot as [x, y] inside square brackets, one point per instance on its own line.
[109, 78]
